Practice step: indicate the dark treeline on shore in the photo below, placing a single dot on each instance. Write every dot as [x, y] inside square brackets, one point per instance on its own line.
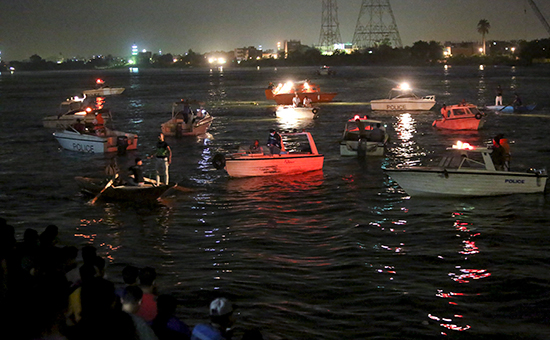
[421, 53]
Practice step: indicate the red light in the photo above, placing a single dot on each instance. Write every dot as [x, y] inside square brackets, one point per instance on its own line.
[99, 81]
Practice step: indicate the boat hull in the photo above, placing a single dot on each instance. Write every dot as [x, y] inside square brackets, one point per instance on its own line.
[178, 127]
[147, 193]
[511, 109]
[368, 149]
[270, 165]
[286, 98]
[468, 123]
[106, 91]
[402, 104]
[452, 182]
[113, 141]
[288, 111]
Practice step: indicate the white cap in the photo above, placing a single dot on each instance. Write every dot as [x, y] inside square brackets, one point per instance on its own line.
[220, 307]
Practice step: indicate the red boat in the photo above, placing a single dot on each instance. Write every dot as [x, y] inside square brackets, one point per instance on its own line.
[283, 93]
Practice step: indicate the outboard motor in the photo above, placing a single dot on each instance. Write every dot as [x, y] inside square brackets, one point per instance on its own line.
[122, 144]
[218, 161]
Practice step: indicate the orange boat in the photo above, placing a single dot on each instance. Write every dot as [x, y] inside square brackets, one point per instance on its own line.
[460, 117]
[282, 94]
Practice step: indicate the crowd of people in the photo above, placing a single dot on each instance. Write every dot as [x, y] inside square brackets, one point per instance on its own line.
[54, 292]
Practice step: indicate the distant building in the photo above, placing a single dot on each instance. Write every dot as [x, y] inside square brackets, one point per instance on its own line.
[292, 46]
[466, 49]
[247, 53]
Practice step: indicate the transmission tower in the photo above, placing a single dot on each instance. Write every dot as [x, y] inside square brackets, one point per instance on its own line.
[376, 25]
[330, 31]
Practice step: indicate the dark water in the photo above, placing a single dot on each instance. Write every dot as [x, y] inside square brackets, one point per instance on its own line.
[337, 254]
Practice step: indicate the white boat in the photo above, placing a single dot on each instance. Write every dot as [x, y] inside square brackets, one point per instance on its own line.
[103, 90]
[325, 71]
[190, 124]
[71, 113]
[109, 141]
[358, 139]
[296, 112]
[402, 98]
[470, 171]
[298, 155]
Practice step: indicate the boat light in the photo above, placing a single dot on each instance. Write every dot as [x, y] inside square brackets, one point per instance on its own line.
[356, 117]
[99, 81]
[88, 109]
[404, 87]
[463, 146]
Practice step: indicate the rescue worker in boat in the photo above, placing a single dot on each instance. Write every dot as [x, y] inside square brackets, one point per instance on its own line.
[79, 127]
[377, 134]
[307, 101]
[296, 100]
[274, 142]
[501, 153]
[99, 124]
[137, 173]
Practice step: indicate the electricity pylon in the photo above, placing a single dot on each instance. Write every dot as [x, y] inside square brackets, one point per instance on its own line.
[330, 31]
[376, 25]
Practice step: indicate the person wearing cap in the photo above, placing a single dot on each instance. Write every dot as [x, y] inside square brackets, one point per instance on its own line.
[221, 320]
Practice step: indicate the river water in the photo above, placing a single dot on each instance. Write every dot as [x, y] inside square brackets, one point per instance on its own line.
[339, 254]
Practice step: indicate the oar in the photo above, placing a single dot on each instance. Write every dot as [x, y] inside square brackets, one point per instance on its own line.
[92, 201]
[504, 107]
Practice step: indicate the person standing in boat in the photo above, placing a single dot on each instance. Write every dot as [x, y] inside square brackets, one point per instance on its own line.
[498, 98]
[500, 154]
[274, 142]
[444, 111]
[99, 124]
[163, 156]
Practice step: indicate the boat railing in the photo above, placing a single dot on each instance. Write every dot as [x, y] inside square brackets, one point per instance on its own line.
[469, 162]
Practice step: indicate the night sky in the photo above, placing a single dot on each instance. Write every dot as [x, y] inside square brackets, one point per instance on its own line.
[85, 28]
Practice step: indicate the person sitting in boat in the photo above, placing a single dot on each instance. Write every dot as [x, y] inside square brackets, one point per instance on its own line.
[377, 134]
[274, 142]
[307, 101]
[517, 101]
[137, 173]
[99, 124]
[296, 100]
[79, 127]
[255, 147]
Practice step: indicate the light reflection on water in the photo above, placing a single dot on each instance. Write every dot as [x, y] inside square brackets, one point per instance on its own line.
[342, 248]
